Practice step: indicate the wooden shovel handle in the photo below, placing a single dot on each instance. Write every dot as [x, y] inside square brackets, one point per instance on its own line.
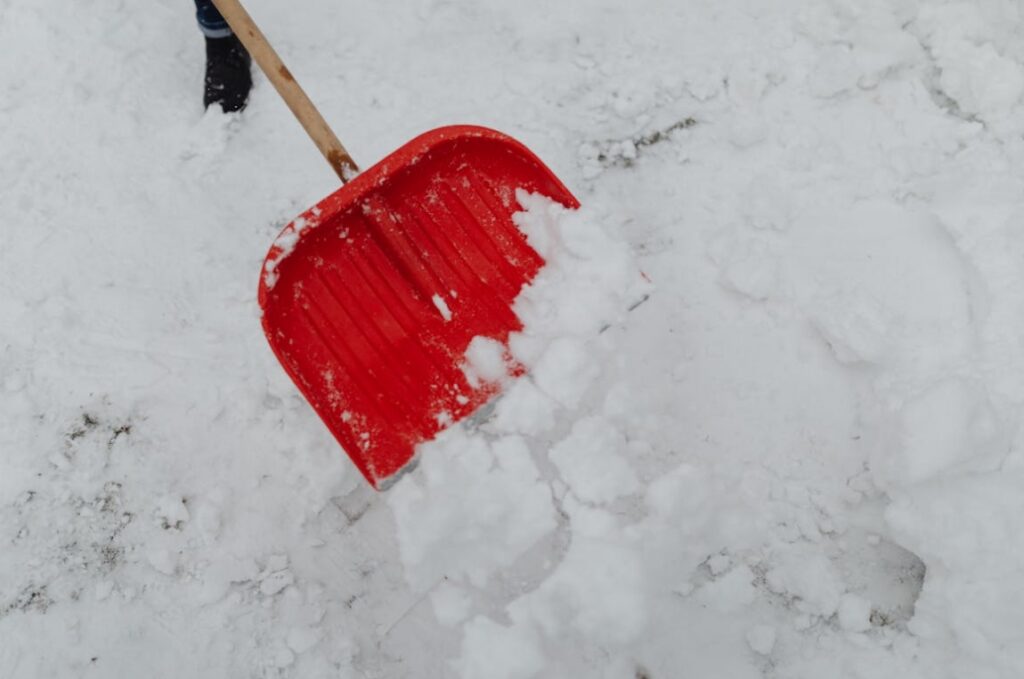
[316, 127]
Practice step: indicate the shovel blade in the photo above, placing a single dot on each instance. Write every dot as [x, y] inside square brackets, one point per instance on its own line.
[371, 298]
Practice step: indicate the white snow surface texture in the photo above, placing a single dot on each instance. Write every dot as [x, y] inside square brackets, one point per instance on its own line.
[801, 457]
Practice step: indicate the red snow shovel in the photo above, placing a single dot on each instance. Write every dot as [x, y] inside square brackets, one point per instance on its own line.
[371, 298]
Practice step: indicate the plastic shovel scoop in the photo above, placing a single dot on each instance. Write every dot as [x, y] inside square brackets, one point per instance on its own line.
[371, 298]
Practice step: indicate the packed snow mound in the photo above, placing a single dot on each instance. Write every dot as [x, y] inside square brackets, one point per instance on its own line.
[478, 499]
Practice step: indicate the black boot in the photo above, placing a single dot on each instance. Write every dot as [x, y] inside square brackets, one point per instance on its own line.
[228, 79]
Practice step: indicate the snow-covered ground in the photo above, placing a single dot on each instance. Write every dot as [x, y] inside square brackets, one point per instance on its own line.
[799, 458]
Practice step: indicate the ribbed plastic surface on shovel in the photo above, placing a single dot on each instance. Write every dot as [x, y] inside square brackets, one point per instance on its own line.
[371, 298]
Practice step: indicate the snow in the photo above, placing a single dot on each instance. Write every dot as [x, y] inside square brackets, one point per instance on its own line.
[800, 456]
[442, 307]
[761, 639]
[854, 613]
[485, 361]
[494, 508]
[590, 462]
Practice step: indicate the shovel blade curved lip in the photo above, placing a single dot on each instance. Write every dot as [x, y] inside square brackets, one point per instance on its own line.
[371, 298]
